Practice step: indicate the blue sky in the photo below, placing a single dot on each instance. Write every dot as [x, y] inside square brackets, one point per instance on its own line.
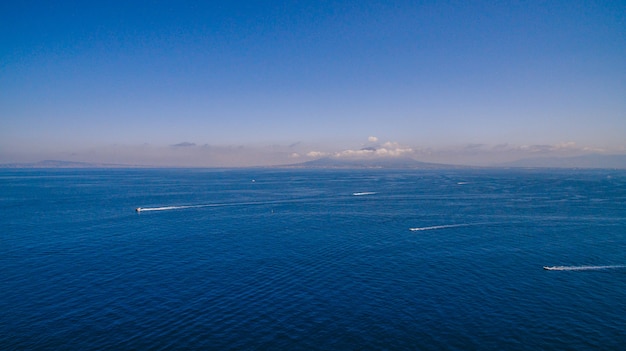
[241, 83]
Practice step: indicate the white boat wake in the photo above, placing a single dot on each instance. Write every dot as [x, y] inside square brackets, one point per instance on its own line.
[250, 203]
[166, 208]
[439, 227]
[581, 268]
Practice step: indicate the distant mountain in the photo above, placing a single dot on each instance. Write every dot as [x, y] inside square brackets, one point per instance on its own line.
[585, 161]
[382, 162]
[64, 164]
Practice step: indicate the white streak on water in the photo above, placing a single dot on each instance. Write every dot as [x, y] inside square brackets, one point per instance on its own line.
[439, 227]
[165, 208]
[270, 202]
[581, 268]
[249, 203]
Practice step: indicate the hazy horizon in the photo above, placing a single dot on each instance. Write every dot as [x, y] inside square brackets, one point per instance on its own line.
[268, 83]
[188, 154]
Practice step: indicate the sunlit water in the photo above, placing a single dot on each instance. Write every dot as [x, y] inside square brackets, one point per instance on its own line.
[305, 260]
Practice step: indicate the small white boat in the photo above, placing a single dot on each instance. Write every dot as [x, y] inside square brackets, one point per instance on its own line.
[138, 209]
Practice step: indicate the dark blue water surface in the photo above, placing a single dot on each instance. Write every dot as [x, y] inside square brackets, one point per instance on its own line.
[293, 259]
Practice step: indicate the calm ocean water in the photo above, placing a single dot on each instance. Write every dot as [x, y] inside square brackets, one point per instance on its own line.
[312, 260]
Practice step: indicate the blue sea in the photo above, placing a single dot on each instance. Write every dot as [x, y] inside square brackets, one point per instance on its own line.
[269, 259]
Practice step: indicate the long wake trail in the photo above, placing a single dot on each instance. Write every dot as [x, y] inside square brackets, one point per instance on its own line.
[248, 203]
[435, 227]
[581, 268]
[165, 208]
[168, 208]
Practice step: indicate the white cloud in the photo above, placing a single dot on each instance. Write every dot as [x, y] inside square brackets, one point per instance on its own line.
[594, 149]
[372, 139]
[388, 149]
[569, 146]
[566, 145]
[354, 153]
[316, 154]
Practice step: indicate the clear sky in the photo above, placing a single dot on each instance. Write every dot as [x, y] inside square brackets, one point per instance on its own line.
[235, 83]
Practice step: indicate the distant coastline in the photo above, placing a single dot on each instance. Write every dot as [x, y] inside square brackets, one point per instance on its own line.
[67, 164]
[592, 161]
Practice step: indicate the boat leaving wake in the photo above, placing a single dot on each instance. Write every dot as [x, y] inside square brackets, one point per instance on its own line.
[250, 203]
[165, 208]
[439, 227]
[580, 268]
